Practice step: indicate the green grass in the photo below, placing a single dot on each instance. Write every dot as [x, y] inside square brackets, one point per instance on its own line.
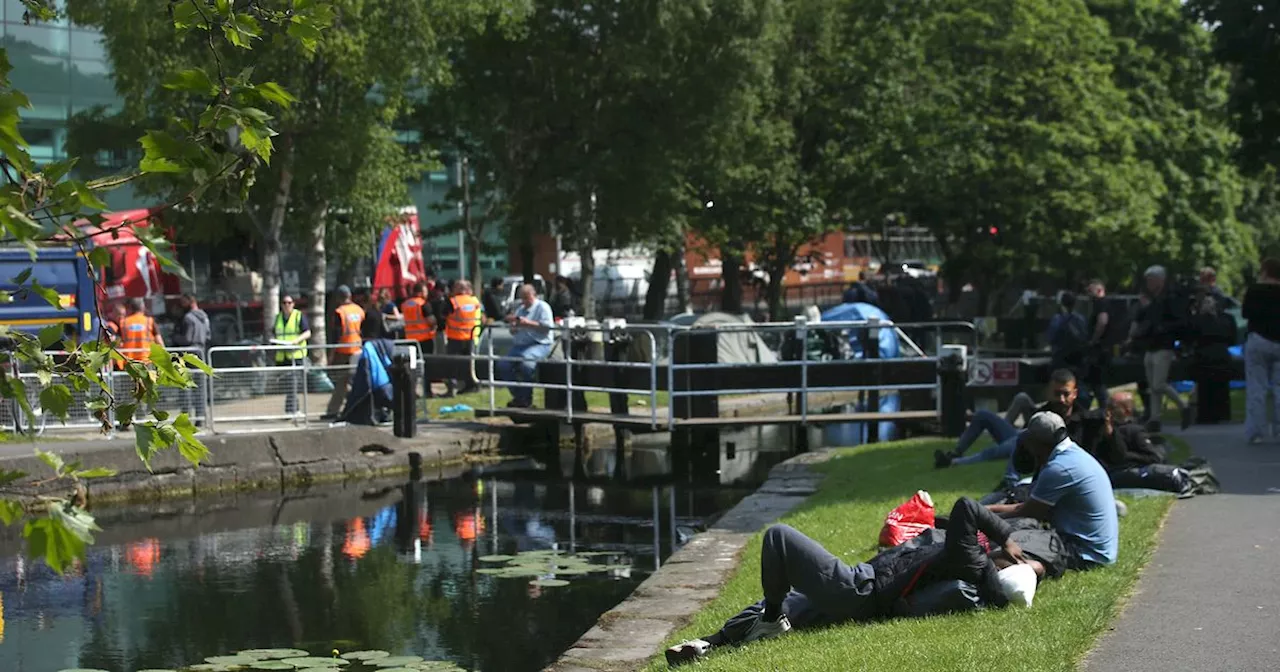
[862, 485]
[639, 403]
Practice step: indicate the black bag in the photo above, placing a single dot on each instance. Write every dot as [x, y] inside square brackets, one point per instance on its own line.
[1203, 480]
[1164, 477]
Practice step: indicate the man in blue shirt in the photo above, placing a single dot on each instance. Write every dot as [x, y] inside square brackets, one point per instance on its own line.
[1073, 494]
[531, 342]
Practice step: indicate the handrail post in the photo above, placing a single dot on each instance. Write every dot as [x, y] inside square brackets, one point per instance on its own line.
[306, 383]
[802, 325]
[671, 378]
[568, 376]
[653, 379]
[493, 394]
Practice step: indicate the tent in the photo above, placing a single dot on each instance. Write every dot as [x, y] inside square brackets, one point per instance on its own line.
[888, 341]
[399, 263]
[734, 346]
[852, 312]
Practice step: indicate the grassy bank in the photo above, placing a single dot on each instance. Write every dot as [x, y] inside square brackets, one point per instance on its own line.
[861, 486]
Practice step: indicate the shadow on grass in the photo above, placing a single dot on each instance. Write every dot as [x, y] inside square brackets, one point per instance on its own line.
[861, 486]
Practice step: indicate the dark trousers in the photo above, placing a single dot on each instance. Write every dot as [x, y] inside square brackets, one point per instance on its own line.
[460, 371]
[291, 385]
[192, 399]
[426, 348]
[812, 587]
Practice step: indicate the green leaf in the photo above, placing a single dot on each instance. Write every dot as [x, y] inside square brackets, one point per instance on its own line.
[168, 374]
[98, 472]
[50, 335]
[242, 30]
[8, 476]
[10, 511]
[161, 249]
[125, 412]
[190, 446]
[305, 32]
[191, 80]
[161, 153]
[274, 93]
[100, 258]
[55, 462]
[49, 295]
[56, 399]
[49, 539]
[22, 277]
[191, 359]
[18, 391]
[75, 520]
[147, 441]
[255, 142]
[186, 15]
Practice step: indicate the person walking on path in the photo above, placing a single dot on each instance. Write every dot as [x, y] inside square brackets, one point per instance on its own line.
[462, 319]
[291, 328]
[1262, 352]
[348, 320]
[531, 342]
[420, 327]
[1160, 323]
[193, 333]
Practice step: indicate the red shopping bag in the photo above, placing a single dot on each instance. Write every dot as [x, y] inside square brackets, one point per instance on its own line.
[908, 521]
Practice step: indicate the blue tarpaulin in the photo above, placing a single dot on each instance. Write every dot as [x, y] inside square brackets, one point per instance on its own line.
[889, 403]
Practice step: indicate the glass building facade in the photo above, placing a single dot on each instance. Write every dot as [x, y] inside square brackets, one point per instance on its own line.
[63, 69]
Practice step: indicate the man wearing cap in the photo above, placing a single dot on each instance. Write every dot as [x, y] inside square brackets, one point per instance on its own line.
[1072, 493]
[805, 586]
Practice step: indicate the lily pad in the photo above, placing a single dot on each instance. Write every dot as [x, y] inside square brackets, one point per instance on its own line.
[398, 669]
[272, 665]
[272, 654]
[571, 571]
[599, 568]
[395, 661]
[438, 666]
[497, 558]
[522, 572]
[315, 661]
[231, 660]
[491, 570]
[596, 554]
[550, 583]
[157, 670]
[208, 667]
[83, 669]
[366, 655]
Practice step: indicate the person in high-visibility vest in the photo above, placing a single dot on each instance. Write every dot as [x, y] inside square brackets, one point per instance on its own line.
[291, 328]
[420, 326]
[461, 321]
[138, 331]
[348, 320]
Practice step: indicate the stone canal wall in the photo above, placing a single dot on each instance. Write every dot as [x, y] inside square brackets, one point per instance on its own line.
[628, 636]
[277, 460]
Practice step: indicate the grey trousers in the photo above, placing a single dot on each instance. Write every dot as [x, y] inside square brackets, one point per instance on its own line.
[1262, 375]
[1156, 365]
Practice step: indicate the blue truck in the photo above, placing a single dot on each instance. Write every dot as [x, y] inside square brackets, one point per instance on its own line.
[61, 269]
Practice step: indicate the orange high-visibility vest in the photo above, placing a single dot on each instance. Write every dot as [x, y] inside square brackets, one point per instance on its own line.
[417, 326]
[462, 321]
[136, 336]
[350, 317]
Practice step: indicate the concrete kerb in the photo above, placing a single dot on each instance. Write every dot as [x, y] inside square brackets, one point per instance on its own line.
[280, 460]
[628, 636]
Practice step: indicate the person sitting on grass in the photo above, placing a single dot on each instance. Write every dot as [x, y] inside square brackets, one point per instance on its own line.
[806, 586]
[1084, 427]
[1072, 493]
[1125, 443]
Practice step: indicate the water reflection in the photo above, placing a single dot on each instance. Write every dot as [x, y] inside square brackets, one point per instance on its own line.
[397, 575]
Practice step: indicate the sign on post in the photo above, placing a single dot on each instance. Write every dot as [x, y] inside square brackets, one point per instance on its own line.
[993, 372]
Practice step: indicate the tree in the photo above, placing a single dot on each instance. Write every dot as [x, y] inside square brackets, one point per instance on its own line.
[997, 125]
[41, 203]
[1247, 39]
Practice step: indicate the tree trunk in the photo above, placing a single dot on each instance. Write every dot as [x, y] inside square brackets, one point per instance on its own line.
[317, 283]
[731, 280]
[655, 300]
[778, 264]
[526, 255]
[272, 236]
[682, 275]
[587, 251]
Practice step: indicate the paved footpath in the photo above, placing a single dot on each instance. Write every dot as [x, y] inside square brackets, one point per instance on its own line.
[1210, 598]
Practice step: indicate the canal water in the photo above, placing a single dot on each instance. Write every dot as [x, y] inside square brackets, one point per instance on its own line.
[401, 567]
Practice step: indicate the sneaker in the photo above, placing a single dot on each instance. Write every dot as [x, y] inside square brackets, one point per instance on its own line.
[1188, 416]
[763, 629]
[687, 652]
[942, 460]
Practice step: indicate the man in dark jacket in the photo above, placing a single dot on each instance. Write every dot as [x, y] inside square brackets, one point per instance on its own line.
[806, 586]
[193, 334]
[1160, 324]
[1124, 443]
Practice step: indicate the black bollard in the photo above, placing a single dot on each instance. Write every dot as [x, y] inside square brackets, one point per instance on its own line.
[404, 415]
[870, 351]
[415, 466]
[952, 376]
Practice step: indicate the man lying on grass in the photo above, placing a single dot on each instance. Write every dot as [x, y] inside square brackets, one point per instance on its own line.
[806, 586]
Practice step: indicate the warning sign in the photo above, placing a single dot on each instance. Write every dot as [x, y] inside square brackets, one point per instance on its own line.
[993, 372]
